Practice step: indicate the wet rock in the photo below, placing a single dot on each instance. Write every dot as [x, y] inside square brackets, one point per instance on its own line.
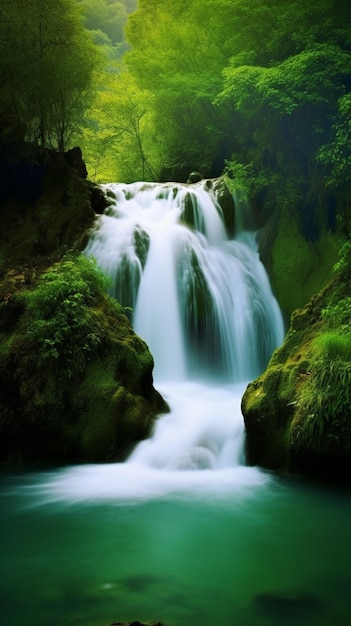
[194, 177]
[189, 215]
[226, 202]
[98, 199]
[74, 159]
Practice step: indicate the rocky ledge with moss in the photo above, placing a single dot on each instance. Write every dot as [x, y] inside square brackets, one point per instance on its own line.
[298, 412]
[76, 381]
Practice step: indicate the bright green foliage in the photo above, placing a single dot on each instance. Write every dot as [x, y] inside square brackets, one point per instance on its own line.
[338, 314]
[344, 261]
[46, 67]
[259, 84]
[332, 345]
[285, 112]
[119, 141]
[326, 398]
[63, 326]
[337, 153]
[175, 57]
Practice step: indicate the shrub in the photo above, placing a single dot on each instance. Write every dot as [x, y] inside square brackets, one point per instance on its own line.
[344, 262]
[338, 314]
[62, 323]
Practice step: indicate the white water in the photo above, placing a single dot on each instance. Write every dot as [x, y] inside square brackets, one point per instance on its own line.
[204, 305]
[202, 302]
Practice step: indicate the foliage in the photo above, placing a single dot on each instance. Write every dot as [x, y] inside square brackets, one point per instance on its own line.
[336, 155]
[332, 345]
[46, 68]
[119, 143]
[344, 261]
[338, 313]
[63, 327]
[326, 398]
[259, 86]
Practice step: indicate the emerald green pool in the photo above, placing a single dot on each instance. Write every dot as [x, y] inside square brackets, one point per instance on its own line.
[247, 549]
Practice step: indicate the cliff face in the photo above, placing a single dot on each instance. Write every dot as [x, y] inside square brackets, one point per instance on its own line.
[298, 267]
[76, 382]
[298, 412]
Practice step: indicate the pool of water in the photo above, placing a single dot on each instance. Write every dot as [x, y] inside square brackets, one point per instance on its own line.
[248, 549]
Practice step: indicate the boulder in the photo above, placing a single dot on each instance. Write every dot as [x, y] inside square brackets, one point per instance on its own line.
[226, 201]
[298, 412]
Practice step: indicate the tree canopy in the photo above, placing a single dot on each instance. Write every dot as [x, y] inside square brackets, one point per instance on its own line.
[47, 60]
[258, 88]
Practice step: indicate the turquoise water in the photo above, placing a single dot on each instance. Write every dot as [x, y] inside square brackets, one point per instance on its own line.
[258, 551]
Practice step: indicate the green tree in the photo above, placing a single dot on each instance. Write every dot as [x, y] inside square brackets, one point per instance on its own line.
[46, 67]
[259, 84]
[174, 58]
[119, 141]
[284, 99]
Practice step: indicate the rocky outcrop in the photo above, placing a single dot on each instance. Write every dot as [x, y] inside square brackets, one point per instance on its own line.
[298, 412]
[226, 201]
[218, 189]
[75, 381]
[46, 203]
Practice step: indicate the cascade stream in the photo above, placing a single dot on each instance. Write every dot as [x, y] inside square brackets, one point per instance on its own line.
[203, 303]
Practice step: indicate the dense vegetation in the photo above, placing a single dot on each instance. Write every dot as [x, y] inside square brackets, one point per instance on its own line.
[259, 87]
[262, 87]
[46, 68]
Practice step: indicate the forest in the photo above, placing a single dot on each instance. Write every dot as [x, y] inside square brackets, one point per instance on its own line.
[260, 89]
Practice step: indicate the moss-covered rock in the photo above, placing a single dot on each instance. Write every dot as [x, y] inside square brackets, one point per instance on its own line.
[298, 412]
[76, 381]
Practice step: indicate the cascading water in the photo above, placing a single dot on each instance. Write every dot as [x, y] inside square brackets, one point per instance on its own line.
[202, 302]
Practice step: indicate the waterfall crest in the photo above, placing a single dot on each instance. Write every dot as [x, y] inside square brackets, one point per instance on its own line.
[201, 300]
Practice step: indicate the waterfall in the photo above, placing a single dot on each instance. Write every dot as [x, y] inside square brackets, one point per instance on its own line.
[203, 303]
[200, 300]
